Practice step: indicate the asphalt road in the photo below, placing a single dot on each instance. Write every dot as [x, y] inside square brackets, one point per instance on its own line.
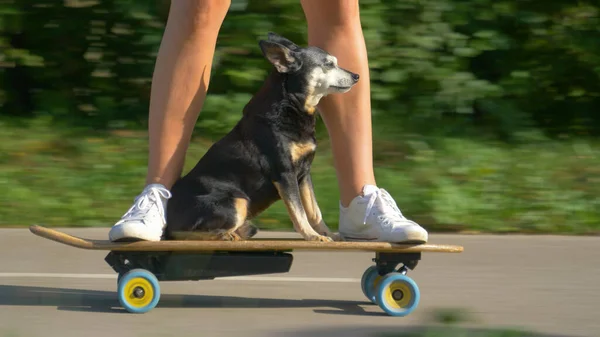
[550, 285]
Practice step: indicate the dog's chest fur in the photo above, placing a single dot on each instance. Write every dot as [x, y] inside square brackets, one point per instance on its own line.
[284, 156]
[301, 150]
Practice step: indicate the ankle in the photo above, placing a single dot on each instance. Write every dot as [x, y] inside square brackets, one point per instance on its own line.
[351, 194]
[166, 183]
[346, 199]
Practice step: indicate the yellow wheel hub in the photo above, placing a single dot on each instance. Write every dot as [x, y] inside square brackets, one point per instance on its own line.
[398, 295]
[138, 292]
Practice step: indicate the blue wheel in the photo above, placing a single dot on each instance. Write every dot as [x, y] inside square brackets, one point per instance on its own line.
[397, 294]
[138, 291]
[369, 281]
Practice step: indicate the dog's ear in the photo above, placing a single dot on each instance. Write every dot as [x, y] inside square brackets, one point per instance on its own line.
[282, 40]
[280, 56]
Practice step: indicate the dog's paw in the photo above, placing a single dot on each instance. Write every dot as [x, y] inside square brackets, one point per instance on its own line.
[320, 238]
[229, 236]
[235, 237]
[332, 235]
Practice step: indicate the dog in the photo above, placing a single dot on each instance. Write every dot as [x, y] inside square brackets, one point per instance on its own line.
[267, 155]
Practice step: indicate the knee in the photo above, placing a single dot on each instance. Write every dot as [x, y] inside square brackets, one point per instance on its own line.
[332, 14]
[199, 14]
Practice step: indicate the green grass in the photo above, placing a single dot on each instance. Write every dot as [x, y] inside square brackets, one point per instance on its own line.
[462, 332]
[450, 322]
[85, 178]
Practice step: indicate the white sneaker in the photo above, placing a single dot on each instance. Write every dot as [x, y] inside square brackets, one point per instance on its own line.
[374, 216]
[146, 219]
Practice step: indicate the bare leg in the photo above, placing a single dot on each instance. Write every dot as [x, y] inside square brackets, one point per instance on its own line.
[179, 87]
[334, 26]
[180, 83]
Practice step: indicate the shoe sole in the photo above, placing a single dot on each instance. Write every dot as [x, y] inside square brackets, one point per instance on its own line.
[128, 240]
[351, 239]
[417, 237]
[131, 234]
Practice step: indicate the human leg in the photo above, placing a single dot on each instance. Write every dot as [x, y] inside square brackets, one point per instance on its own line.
[179, 85]
[366, 212]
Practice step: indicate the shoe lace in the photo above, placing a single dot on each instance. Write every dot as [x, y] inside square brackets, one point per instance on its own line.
[146, 200]
[394, 213]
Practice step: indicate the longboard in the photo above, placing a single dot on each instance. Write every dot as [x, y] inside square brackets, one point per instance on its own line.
[245, 245]
[141, 265]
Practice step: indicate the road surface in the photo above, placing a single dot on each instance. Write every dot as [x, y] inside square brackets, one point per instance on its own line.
[547, 284]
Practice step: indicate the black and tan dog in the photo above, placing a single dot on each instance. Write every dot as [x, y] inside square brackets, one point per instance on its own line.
[266, 157]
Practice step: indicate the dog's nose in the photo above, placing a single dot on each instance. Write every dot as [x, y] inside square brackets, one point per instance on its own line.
[355, 77]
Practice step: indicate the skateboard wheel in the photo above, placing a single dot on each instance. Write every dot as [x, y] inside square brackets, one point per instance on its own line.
[138, 291]
[397, 294]
[365, 276]
[369, 282]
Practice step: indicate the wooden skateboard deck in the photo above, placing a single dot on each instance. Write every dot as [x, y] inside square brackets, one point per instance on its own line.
[142, 265]
[246, 245]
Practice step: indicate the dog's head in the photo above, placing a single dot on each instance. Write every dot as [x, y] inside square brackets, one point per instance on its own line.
[310, 70]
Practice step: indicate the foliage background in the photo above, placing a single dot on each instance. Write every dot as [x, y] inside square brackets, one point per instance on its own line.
[485, 112]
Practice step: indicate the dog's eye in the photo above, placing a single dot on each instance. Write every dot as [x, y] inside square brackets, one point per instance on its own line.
[329, 64]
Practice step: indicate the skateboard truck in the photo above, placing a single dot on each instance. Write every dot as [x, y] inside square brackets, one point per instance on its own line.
[388, 262]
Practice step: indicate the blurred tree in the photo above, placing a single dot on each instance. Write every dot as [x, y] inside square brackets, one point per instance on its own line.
[499, 66]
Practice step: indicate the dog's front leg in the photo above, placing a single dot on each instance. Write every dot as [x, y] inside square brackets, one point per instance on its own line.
[287, 187]
[313, 212]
